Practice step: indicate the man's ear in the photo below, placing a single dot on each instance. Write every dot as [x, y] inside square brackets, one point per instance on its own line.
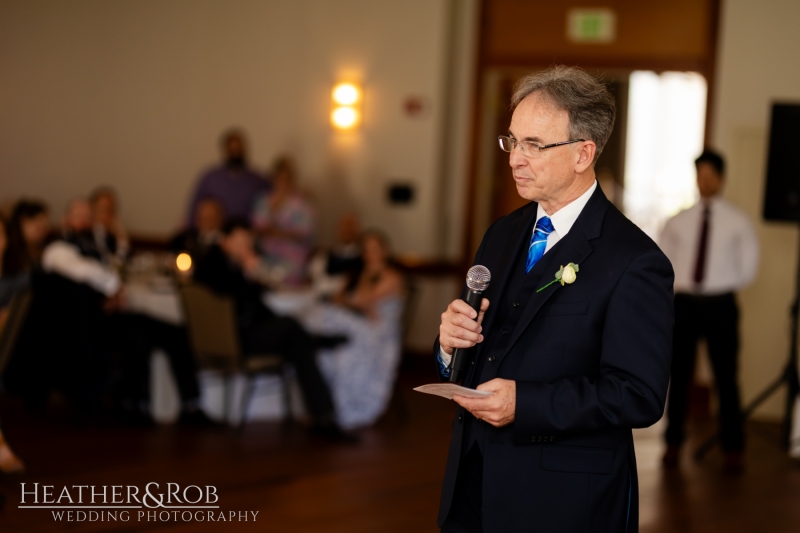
[585, 156]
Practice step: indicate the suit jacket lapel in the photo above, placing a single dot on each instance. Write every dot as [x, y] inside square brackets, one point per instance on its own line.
[575, 247]
[519, 235]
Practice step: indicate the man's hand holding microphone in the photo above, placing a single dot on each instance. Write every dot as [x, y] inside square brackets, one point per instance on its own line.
[461, 329]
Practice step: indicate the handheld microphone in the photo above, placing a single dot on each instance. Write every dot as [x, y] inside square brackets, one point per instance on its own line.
[478, 279]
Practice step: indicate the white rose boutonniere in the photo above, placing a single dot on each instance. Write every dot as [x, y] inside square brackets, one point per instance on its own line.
[565, 275]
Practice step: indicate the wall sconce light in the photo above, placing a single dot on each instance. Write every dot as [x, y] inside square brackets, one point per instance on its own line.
[346, 113]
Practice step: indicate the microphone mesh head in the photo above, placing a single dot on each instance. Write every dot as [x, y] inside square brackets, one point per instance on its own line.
[478, 278]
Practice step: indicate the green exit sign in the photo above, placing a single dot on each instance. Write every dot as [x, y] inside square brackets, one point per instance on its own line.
[591, 25]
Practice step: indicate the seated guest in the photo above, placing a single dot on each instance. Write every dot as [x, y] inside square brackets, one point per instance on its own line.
[134, 337]
[232, 269]
[330, 270]
[233, 183]
[284, 221]
[5, 293]
[27, 231]
[9, 462]
[368, 312]
[80, 280]
[110, 236]
[76, 256]
[209, 216]
[345, 257]
[10, 282]
[377, 281]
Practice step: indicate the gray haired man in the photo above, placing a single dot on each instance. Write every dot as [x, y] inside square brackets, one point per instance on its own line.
[572, 365]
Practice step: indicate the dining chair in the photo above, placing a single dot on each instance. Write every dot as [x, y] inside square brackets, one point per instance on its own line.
[213, 334]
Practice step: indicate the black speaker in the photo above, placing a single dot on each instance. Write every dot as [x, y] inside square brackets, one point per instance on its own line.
[782, 197]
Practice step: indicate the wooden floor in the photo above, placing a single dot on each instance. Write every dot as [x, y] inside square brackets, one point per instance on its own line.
[389, 482]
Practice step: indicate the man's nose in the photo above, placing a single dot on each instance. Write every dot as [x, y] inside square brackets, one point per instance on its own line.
[515, 157]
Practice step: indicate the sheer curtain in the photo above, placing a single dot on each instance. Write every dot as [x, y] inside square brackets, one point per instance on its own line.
[666, 121]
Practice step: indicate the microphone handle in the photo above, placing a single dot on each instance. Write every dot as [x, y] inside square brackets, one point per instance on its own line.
[460, 356]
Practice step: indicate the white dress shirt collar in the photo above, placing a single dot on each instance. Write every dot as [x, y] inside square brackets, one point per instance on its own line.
[564, 218]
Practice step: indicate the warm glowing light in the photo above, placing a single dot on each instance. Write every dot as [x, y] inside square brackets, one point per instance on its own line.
[183, 262]
[346, 94]
[344, 117]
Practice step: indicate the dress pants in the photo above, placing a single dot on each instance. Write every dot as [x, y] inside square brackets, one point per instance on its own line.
[135, 337]
[285, 336]
[716, 318]
[59, 346]
[466, 511]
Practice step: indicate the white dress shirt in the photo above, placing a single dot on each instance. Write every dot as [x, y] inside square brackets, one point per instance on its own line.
[562, 220]
[100, 240]
[66, 260]
[731, 251]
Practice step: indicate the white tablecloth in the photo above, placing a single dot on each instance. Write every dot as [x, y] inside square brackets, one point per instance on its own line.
[157, 298]
[266, 402]
[160, 300]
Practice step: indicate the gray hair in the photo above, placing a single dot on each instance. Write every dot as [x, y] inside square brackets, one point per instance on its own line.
[589, 105]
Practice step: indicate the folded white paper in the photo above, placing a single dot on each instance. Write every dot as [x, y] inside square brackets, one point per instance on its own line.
[448, 390]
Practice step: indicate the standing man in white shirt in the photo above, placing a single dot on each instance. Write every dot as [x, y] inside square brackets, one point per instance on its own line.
[714, 252]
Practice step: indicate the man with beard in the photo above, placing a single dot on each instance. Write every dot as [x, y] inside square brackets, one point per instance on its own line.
[233, 183]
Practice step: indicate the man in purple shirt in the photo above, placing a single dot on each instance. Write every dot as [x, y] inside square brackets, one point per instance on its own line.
[233, 183]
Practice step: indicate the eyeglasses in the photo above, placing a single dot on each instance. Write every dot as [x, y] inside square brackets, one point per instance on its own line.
[529, 148]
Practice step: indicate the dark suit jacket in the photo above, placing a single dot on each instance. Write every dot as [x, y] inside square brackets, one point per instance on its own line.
[217, 272]
[591, 361]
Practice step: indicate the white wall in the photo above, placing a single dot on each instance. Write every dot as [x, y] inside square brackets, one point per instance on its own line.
[134, 93]
[758, 64]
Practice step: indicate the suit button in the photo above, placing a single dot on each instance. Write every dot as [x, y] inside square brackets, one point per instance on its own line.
[460, 418]
[491, 358]
[533, 439]
[504, 331]
[472, 362]
[515, 304]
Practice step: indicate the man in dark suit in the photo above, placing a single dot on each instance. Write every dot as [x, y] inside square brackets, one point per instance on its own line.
[573, 365]
[232, 268]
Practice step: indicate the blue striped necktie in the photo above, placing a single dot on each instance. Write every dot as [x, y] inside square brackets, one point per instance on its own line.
[538, 242]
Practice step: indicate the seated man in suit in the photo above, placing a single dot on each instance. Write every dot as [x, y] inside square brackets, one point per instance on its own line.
[111, 238]
[573, 338]
[197, 240]
[86, 301]
[233, 268]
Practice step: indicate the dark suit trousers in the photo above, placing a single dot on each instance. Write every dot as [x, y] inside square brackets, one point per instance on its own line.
[466, 511]
[135, 337]
[715, 318]
[284, 336]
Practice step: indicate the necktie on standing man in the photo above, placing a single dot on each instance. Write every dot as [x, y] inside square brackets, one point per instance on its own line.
[544, 227]
[702, 250]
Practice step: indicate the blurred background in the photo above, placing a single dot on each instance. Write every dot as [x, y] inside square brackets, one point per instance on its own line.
[361, 114]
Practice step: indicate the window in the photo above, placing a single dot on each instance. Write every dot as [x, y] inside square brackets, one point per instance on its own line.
[666, 121]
